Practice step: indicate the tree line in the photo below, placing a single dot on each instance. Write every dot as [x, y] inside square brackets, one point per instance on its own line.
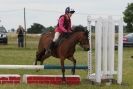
[37, 28]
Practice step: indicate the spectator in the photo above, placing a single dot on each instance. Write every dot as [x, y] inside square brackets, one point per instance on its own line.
[20, 32]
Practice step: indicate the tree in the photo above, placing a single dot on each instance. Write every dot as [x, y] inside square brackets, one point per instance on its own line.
[36, 28]
[128, 17]
[50, 28]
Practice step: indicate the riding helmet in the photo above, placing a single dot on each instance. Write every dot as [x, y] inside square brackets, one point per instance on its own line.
[69, 10]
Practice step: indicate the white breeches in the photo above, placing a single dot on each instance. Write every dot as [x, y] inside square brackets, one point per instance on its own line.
[56, 36]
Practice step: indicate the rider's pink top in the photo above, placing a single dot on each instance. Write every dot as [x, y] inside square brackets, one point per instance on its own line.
[60, 28]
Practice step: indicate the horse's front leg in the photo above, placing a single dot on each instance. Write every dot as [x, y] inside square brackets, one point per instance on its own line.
[63, 69]
[74, 64]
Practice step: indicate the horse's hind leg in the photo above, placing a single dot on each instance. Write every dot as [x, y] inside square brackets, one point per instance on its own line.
[74, 64]
[44, 57]
[39, 56]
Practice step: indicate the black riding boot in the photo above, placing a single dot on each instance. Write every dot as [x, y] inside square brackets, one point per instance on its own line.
[50, 48]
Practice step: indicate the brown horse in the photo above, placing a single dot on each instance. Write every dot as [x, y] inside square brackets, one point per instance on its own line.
[65, 49]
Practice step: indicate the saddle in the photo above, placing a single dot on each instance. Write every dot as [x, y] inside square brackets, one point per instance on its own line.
[61, 38]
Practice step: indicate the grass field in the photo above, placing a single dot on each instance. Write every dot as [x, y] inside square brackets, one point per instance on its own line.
[11, 54]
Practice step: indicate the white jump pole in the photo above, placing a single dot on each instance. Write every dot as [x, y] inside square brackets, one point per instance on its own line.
[98, 35]
[120, 52]
[104, 46]
[31, 67]
[111, 39]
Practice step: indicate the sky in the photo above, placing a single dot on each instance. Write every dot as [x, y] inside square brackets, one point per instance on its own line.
[47, 12]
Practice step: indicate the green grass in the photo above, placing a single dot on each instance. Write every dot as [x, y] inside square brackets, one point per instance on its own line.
[11, 54]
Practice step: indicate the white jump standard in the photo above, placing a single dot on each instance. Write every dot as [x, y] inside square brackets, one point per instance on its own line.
[104, 50]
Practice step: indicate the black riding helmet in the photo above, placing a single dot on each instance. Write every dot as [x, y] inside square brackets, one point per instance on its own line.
[69, 10]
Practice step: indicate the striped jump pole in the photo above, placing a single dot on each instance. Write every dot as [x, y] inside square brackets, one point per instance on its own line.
[41, 67]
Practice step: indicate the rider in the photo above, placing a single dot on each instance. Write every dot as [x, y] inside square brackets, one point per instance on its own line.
[63, 26]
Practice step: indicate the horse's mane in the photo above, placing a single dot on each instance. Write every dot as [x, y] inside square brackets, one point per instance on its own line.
[47, 32]
[80, 29]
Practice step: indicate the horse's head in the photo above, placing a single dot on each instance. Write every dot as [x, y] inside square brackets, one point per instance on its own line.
[84, 41]
[83, 38]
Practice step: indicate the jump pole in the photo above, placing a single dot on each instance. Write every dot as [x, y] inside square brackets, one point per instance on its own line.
[41, 67]
[120, 52]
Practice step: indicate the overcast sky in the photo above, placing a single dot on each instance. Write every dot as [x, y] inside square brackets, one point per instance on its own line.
[46, 12]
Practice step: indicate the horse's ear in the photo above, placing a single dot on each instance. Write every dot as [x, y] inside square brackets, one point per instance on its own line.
[86, 32]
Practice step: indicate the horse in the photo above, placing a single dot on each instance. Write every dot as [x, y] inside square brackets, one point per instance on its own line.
[65, 48]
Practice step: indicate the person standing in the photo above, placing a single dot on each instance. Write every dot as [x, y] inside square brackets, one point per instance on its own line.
[20, 32]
